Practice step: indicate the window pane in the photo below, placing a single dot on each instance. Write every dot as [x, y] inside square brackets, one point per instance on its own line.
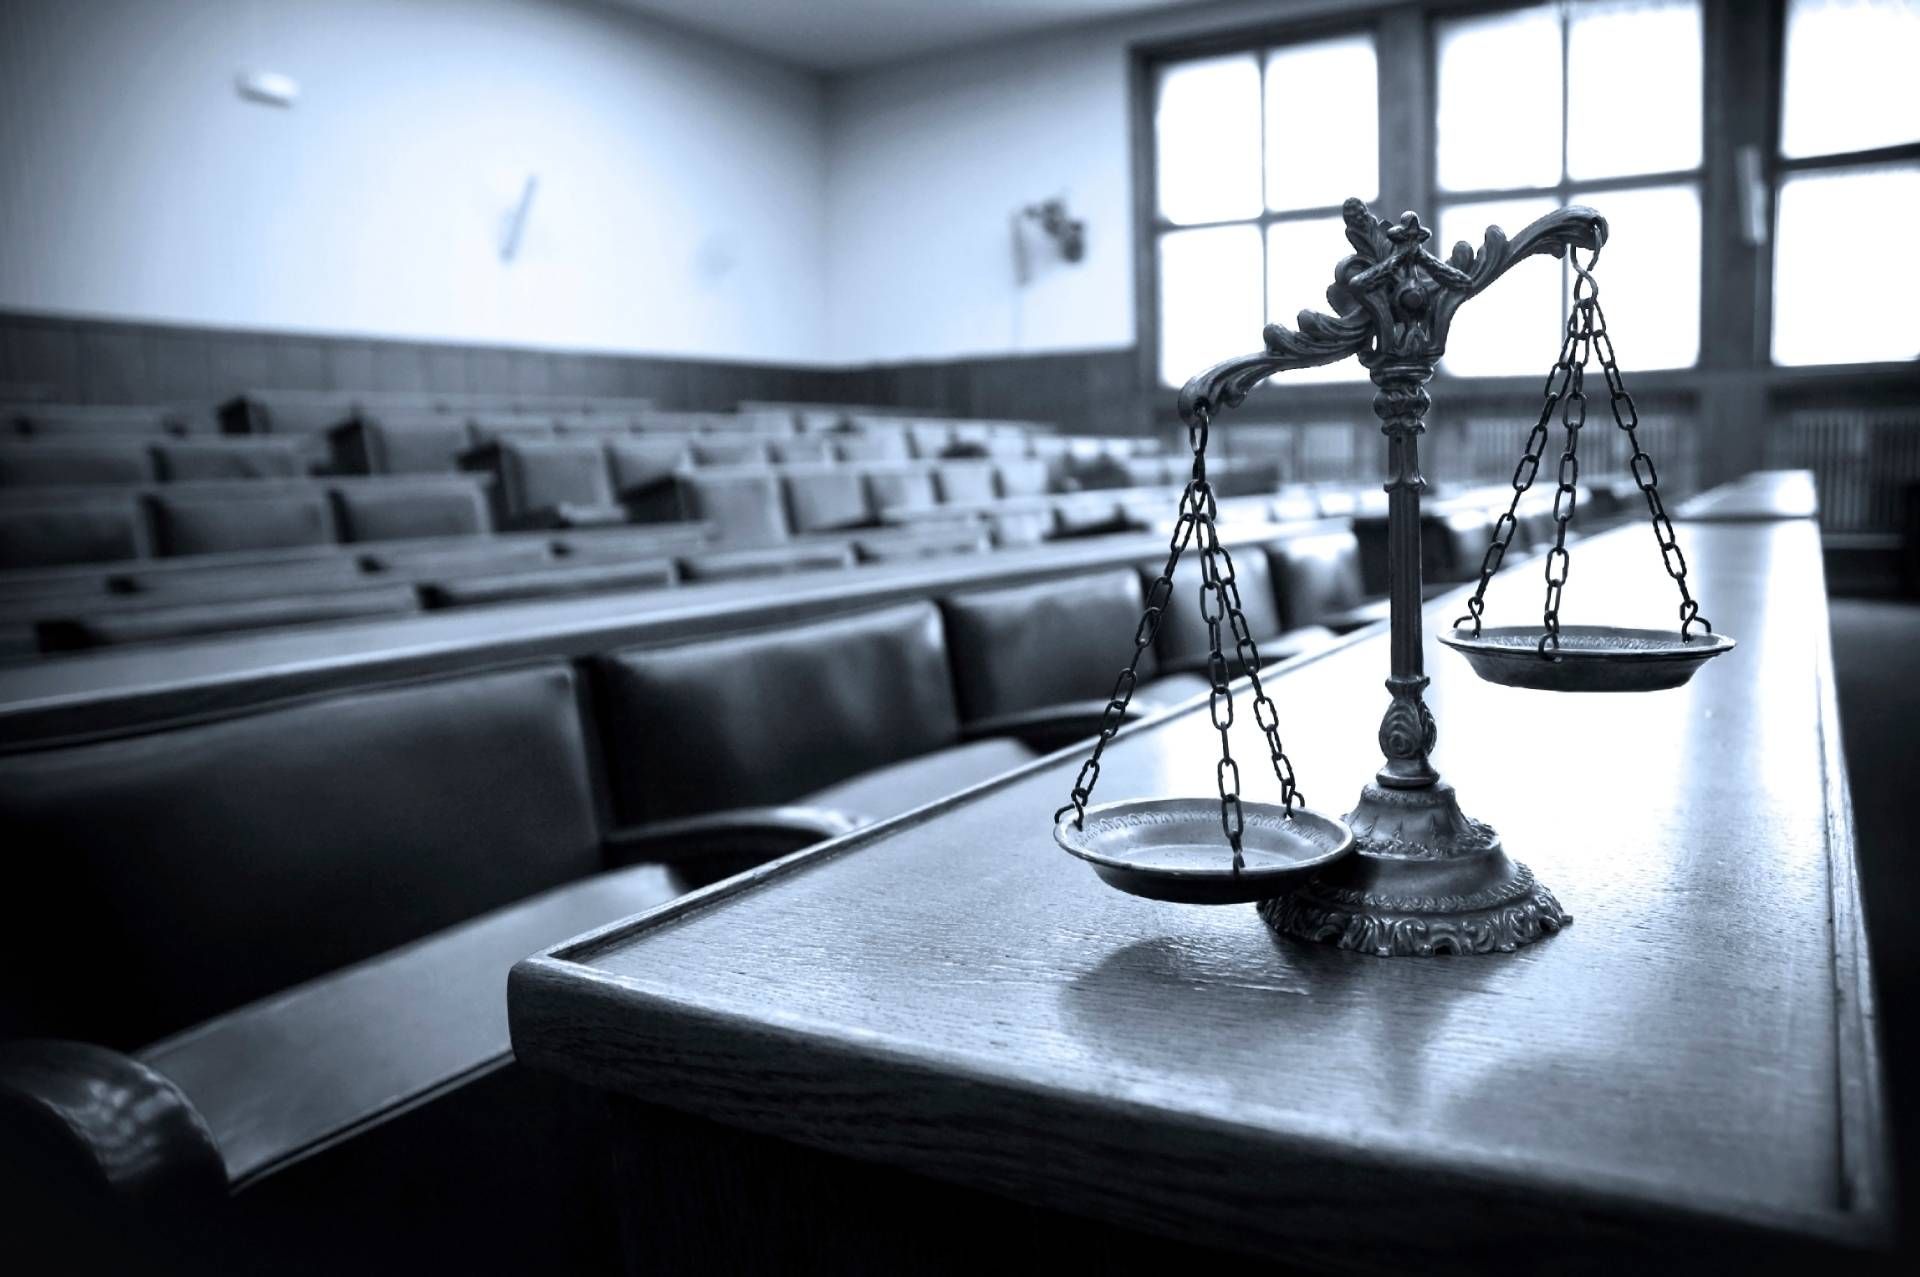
[1499, 101]
[1849, 80]
[1515, 326]
[1210, 303]
[1633, 88]
[1206, 129]
[1835, 301]
[1300, 261]
[1650, 275]
[1323, 123]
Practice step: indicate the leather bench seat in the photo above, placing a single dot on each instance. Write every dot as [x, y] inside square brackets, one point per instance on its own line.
[738, 565]
[81, 462]
[856, 710]
[431, 443]
[545, 482]
[100, 529]
[591, 578]
[190, 521]
[215, 459]
[409, 508]
[744, 504]
[232, 615]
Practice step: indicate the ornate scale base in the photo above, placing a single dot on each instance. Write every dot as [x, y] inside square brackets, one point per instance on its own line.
[1426, 879]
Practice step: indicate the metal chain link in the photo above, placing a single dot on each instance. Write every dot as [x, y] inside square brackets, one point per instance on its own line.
[1586, 334]
[1219, 600]
[1649, 481]
[1573, 415]
[1523, 476]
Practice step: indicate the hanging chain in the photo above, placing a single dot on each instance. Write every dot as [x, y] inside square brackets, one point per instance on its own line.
[1627, 417]
[1573, 415]
[1586, 337]
[1219, 600]
[1523, 475]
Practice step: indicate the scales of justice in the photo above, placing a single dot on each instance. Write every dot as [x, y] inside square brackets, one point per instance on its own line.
[1406, 872]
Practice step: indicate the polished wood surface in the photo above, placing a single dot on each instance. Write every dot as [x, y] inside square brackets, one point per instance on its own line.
[1686, 1075]
[1764, 494]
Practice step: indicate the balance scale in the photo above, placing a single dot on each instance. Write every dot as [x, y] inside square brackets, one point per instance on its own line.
[1406, 872]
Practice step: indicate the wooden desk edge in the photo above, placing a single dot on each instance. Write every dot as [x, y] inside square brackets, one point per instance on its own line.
[554, 992]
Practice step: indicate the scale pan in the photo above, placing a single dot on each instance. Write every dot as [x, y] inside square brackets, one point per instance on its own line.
[1592, 658]
[1174, 848]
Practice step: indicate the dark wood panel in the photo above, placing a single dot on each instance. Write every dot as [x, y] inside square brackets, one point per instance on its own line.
[178, 365]
[113, 365]
[293, 363]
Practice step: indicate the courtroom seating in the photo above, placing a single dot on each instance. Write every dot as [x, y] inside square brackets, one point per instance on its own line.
[782, 560]
[964, 482]
[1317, 580]
[112, 627]
[430, 443]
[191, 519]
[548, 482]
[729, 450]
[929, 440]
[1183, 644]
[543, 583]
[685, 423]
[907, 544]
[497, 429]
[194, 459]
[901, 489]
[75, 462]
[806, 449]
[639, 464]
[427, 506]
[240, 580]
[825, 498]
[1025, 478]
[875, 444]
[1020, 524]
[1008, 443]
[79, 421]
[101, 527]
[745, 504]
[1088, 514]
[1023, 647]
[856, 714]
[285, 412]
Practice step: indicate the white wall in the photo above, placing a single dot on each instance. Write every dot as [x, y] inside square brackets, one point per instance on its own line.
[930, 158]
[681, 207]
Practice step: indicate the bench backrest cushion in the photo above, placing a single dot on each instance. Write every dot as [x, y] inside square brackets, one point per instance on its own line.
[1184, 641]
[163, 878]
[1316, 576]
[1026, 646]
[769, 717]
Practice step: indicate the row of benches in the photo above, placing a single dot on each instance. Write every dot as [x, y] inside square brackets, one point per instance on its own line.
[404, 840]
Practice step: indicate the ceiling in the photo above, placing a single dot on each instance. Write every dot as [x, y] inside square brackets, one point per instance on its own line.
[845, 35]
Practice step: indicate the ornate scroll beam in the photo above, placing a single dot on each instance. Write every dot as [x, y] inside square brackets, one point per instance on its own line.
[1381, 249]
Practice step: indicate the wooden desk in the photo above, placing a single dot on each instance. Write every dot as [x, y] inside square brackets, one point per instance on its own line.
[1687, 1076]
[1764, 494]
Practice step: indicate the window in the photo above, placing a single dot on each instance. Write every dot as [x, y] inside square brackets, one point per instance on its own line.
[1848, 170]
[1247, 200]
[1597, 102]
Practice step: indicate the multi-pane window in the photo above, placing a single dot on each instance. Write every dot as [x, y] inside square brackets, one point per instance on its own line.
[1596, 102]
[1848, 172]
[1252, 162]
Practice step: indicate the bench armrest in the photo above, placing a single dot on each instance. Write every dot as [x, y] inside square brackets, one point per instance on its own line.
[716, 845]
[1050, 727]
[115, 1125]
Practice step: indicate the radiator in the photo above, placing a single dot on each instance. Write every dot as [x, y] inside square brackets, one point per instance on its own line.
[1862, 461]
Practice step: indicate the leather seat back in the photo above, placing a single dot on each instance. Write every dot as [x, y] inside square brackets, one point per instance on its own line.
[824, 498]
[1056, 641]
[538, 475]
[400, 509]
[1183, 642]
[219, 519]
[1316, 576]
[196, 459]
[61, 462]
[768, 717]
[99, 530]
[160, 879]
[744, 505]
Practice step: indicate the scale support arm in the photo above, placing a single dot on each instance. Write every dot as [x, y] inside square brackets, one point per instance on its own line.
[1393, 300]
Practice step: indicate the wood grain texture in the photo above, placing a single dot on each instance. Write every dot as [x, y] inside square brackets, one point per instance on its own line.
[1688, 1074]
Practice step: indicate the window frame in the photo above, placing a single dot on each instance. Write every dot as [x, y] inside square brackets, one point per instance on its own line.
[1150, 225]
[1777, 169]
